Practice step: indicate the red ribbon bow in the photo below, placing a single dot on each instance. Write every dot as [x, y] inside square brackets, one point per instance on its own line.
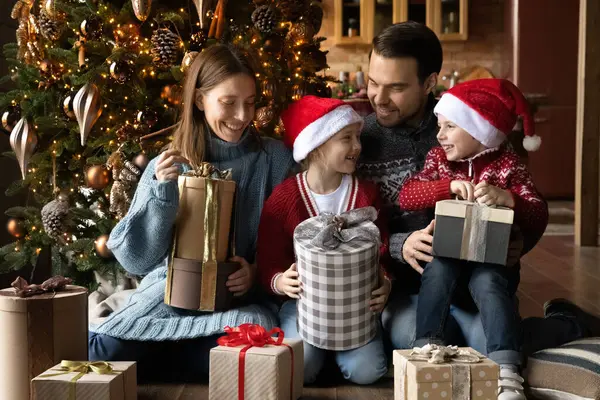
[251, 335]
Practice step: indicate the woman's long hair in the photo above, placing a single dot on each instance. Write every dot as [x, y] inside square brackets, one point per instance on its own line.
[211, 67]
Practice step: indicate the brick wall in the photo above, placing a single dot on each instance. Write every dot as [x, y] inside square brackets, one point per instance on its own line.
[486, 45]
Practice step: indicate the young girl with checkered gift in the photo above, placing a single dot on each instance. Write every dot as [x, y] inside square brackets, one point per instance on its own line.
[325, 136]
[474, 163]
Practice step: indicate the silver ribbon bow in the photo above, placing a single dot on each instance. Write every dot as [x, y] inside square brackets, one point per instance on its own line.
[333, 230]
[435, 354]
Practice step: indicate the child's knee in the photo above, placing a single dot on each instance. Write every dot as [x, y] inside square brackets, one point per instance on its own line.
[364, 366]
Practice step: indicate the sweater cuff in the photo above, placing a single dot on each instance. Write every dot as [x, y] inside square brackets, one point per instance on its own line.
[396, 244]
[441, 189]
[167, 191]
[274, 284]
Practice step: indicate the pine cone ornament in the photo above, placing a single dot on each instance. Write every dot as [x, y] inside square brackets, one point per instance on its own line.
[125, 179]
[54, 217]
[51, 28]
[292, 10]
[315, 16]
[165, 46]
[265, 18]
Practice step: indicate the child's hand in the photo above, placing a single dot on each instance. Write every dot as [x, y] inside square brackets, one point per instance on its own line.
[289, 283]
[463, 189]
[241, 280]
[379, 296]
[491, 195]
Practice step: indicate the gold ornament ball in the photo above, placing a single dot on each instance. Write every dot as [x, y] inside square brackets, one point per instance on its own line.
[141, 161]
[15, 228]
[101, 249]
[120, 71]
[147, 117]
[10, 117]
[269, 88]
[301, 32]
[97, 177]
[188, 59]
[264, 116]
[67, 105]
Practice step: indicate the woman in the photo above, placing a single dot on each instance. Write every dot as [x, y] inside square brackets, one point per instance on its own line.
[215, 126]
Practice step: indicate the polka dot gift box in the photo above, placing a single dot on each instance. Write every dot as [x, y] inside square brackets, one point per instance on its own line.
[444, 373]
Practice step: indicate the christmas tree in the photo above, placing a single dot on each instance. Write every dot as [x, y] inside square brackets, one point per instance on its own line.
[97, 92]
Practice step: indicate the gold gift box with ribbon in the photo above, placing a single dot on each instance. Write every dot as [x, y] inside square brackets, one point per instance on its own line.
[444, 373]
[198, 268]
[82, 380]
[472, 232]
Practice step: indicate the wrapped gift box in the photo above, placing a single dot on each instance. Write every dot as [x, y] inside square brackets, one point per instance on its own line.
[36, 333]
[268, 372]
[338, 277]
[473, 232]
[198, 269]
[452, 380]
[58, 384]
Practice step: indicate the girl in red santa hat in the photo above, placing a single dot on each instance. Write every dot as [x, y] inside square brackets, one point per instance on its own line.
[474, 163]
[325, 136]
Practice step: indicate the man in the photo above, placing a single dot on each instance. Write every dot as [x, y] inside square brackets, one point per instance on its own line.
[403, 70]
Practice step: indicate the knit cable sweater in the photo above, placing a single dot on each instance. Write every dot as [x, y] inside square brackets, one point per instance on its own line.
[389, 157]
[500, 167]
[141, 242]
[290, 204]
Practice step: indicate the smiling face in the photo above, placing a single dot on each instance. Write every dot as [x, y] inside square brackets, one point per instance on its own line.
[395, 92]
[229, 106]
[341, 151]
[456, 142]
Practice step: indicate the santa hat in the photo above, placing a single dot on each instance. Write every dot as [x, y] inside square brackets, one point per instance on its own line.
[488, 110]
[311, 121]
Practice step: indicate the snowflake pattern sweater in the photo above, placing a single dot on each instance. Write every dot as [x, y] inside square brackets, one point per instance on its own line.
[500, 167]
[290, 204]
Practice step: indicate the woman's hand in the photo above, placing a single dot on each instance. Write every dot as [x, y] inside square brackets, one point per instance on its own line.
[166, 170]
[379, 296]
[241, 280]
[289, 283]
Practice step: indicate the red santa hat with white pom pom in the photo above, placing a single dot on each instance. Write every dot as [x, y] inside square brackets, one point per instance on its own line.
[488, 109]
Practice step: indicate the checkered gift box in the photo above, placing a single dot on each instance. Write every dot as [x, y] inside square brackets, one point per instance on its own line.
[338, 263]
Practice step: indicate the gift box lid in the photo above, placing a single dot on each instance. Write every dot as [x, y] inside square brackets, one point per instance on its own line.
[458, 209]
[61, 300]
[423, 371]
[268, 350]
[119, 368]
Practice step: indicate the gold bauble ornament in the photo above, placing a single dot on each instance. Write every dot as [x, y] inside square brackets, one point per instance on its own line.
[101, 249]
[141, 8]
[97, 177]
[67, 105]
[148, 117]
[87, 109]
[91, 28]
[300, 33]
[23, 141]
[298, 91]
[15, 228]
[188, 59]
[120, 71]
[10, 117]
[264, 116]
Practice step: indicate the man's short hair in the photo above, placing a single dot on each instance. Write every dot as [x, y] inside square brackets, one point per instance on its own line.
[414, 40]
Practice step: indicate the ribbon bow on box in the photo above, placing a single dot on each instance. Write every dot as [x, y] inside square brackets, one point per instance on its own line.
[82, 368]
[343, 228]
[207, 170]
[252, 335]
[435, 354]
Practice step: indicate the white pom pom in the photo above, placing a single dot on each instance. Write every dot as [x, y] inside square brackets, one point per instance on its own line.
[532, 143]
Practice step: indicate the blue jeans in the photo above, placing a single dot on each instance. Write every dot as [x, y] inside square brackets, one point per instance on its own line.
[186, 360]
[492, 287]
[363, 365]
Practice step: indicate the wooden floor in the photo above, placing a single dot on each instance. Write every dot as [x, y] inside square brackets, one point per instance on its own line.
[555, 268]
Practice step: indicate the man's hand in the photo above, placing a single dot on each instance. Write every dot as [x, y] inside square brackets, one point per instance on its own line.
[417, 247]
[379, 296]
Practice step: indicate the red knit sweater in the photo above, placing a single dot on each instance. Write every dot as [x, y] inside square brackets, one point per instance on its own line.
[499, 167]
[289, 205]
